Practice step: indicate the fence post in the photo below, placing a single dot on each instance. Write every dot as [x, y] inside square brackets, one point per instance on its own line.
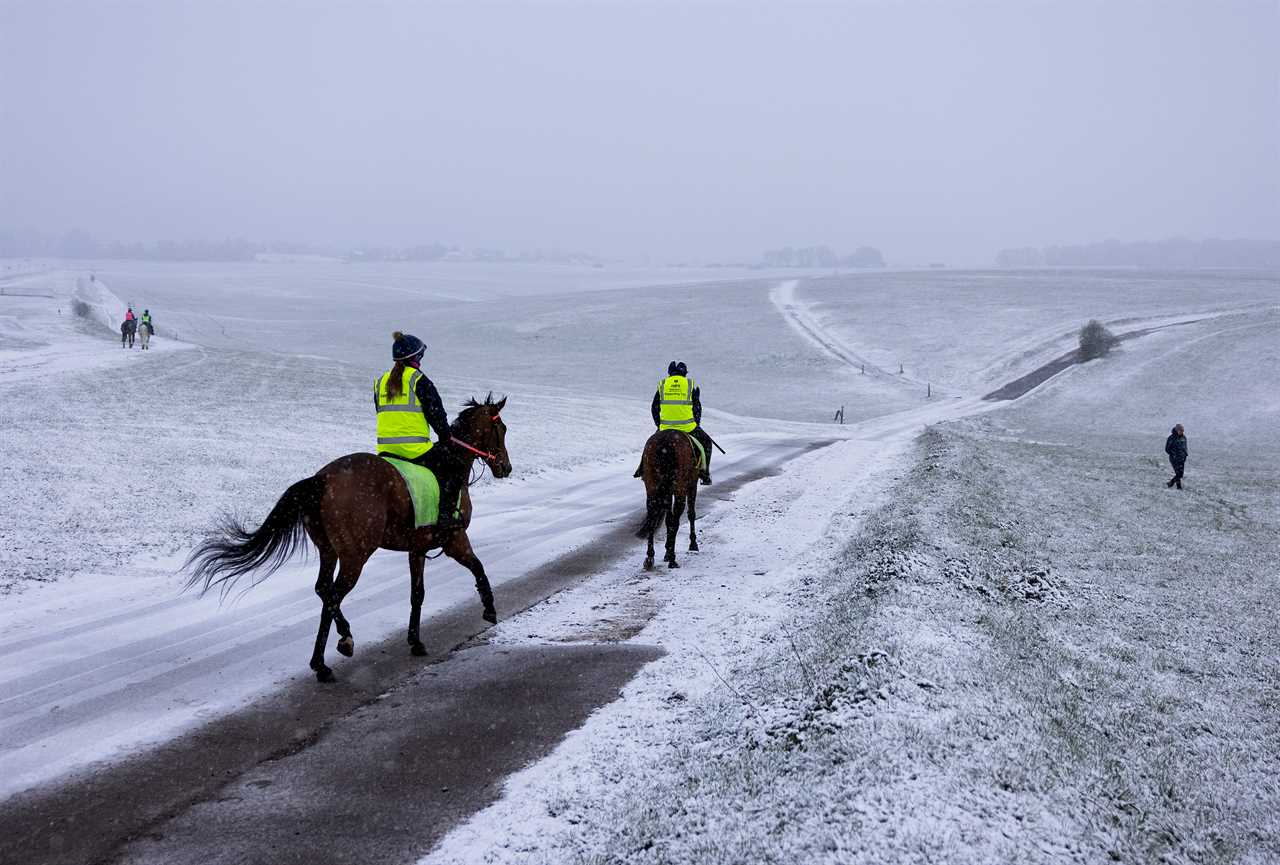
[900, 370]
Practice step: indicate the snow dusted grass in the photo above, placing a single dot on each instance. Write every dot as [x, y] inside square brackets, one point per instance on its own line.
[972, 329]
[1033, 653]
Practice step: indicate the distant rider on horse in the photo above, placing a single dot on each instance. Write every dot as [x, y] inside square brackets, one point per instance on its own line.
[146, 321]
[677, 404]
[408, 407]
[128, 314]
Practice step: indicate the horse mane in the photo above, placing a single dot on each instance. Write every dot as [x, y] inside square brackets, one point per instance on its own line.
[470, 405]
[472, 402]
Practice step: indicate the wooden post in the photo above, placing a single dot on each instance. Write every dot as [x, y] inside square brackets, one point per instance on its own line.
[928, 393]
[900, 370]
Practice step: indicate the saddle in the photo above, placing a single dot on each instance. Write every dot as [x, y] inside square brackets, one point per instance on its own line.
[699, 452]
[424, 490]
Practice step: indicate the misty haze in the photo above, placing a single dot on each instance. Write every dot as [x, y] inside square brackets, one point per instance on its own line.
[639, 432]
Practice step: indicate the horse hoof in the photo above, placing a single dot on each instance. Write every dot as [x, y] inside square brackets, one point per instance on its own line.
[346, 647]
[325, 675]
[673, 564]
[693, 548]
[418, 650]
[648, 564]
[491, 616]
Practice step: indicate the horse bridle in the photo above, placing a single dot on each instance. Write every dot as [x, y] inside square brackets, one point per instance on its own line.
[484, 455]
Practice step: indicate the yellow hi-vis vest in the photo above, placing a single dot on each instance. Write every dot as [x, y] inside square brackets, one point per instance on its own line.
[402, 427]
[675, 403]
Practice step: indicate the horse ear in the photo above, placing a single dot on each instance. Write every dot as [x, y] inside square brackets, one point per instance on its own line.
[502, 402]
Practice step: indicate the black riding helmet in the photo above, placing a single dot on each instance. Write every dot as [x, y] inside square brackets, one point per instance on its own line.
[677, 367]
[406, 346]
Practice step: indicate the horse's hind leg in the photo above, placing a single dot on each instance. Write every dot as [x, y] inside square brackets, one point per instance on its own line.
[348, 573]
[417, 592]
[331, 594]
[458, 548]
[324, 587]
[693, 519]
[651, 505]
[673, 529]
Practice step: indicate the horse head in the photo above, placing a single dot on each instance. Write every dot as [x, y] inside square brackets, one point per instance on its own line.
[480, 425]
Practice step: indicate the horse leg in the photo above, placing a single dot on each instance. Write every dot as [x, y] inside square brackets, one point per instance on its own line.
[651, 506]
[458, 548]
[348, 574]
[673, 529]
[417, 591]
[693, 519]
[324, 586]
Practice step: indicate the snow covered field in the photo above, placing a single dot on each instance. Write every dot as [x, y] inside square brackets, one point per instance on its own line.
[971, 330]
[857, 610]
[1026, 650]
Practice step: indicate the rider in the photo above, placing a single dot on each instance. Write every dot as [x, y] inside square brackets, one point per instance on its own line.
[146, 321]
[128, 314]
[677, 404]
[409, 407]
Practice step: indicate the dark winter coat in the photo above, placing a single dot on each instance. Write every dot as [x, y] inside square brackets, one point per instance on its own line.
[1176, 447]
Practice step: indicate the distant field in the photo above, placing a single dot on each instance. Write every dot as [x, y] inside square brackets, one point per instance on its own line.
[969, 330]
[586, 330]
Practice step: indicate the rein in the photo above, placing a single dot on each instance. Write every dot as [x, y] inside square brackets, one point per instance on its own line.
[476, 451]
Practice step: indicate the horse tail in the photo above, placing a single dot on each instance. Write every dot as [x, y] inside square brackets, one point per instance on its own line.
[233, 551]
[658, 500]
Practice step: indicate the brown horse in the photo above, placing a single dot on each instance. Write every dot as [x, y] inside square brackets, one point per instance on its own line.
[350, 508]
[670, 472]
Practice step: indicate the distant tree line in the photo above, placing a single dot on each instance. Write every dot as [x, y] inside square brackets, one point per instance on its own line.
[77, 243]
[1174, 252]
[822, 256]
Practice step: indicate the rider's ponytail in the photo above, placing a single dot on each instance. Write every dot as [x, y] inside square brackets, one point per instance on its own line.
[396, 379]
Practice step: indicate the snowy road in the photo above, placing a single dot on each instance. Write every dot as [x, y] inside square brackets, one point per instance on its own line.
[105, 679]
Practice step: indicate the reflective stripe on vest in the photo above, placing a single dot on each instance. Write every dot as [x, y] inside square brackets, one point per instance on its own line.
[675, 403]
[402, 428]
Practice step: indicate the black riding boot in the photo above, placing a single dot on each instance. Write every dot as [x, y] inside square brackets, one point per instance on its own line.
[450, 508]
[705, 440]
[441, 464]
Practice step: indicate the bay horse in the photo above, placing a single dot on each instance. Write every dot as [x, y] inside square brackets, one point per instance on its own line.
[670, 471]
[128, 328]
[350, 508]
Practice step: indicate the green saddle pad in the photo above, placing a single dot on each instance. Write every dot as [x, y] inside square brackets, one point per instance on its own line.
[699, 452]
[424, 489]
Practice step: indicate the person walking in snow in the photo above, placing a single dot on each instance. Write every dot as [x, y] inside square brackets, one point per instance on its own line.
[1176, 447]
[408, 407]
[677, 404]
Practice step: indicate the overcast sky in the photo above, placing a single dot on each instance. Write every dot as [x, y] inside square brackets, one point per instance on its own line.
[933, 131]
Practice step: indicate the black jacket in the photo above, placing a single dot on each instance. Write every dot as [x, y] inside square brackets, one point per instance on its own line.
[1176, 447]
[655, 408]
